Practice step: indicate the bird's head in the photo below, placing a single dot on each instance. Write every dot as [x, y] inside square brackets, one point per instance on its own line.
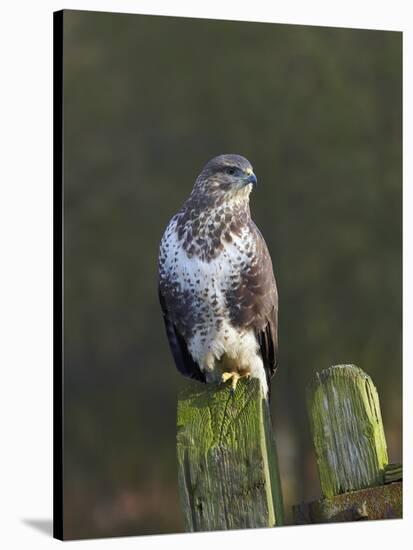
[226, 178]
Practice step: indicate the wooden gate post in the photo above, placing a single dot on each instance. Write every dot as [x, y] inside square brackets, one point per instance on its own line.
[350, 447]
[227, 459]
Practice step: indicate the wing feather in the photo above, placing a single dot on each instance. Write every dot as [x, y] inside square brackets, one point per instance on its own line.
[183, 359]
[254, 303]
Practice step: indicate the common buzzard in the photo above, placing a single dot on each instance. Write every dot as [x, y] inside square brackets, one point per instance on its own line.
[216, 284]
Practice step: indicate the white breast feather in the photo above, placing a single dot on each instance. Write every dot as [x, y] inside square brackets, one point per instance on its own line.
[214, 275]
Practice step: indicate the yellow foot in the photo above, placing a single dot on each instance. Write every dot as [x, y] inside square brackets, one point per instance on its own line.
[234, 377]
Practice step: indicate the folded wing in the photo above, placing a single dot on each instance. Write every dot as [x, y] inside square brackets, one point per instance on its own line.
[183, 359]
[254, 302]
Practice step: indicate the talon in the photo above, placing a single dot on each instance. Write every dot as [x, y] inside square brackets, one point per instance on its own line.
[234, 381]
[226, 376]
[234, 377]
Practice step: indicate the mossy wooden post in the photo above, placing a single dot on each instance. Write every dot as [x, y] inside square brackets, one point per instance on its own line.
[227, 460]
[347, 430]
[350, 447]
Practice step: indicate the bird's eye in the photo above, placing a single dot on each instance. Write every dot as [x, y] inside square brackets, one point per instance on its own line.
[231, 170]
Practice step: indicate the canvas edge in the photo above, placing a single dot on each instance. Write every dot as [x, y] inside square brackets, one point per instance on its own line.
[57, 275]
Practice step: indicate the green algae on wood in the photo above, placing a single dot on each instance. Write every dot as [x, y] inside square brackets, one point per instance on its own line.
[393, 472]
[227, 460]
[347, 430]
[382, 502]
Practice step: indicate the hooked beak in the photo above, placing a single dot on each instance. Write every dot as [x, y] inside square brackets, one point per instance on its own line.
[251, 178]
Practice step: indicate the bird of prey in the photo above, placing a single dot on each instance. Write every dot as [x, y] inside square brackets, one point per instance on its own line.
[216, 284]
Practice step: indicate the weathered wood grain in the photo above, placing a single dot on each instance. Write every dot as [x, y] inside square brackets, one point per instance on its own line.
[382, 502]
[393, 472]
[347, 430]
[227, 460]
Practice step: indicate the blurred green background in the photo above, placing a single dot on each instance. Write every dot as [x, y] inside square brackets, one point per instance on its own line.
[147, 101]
